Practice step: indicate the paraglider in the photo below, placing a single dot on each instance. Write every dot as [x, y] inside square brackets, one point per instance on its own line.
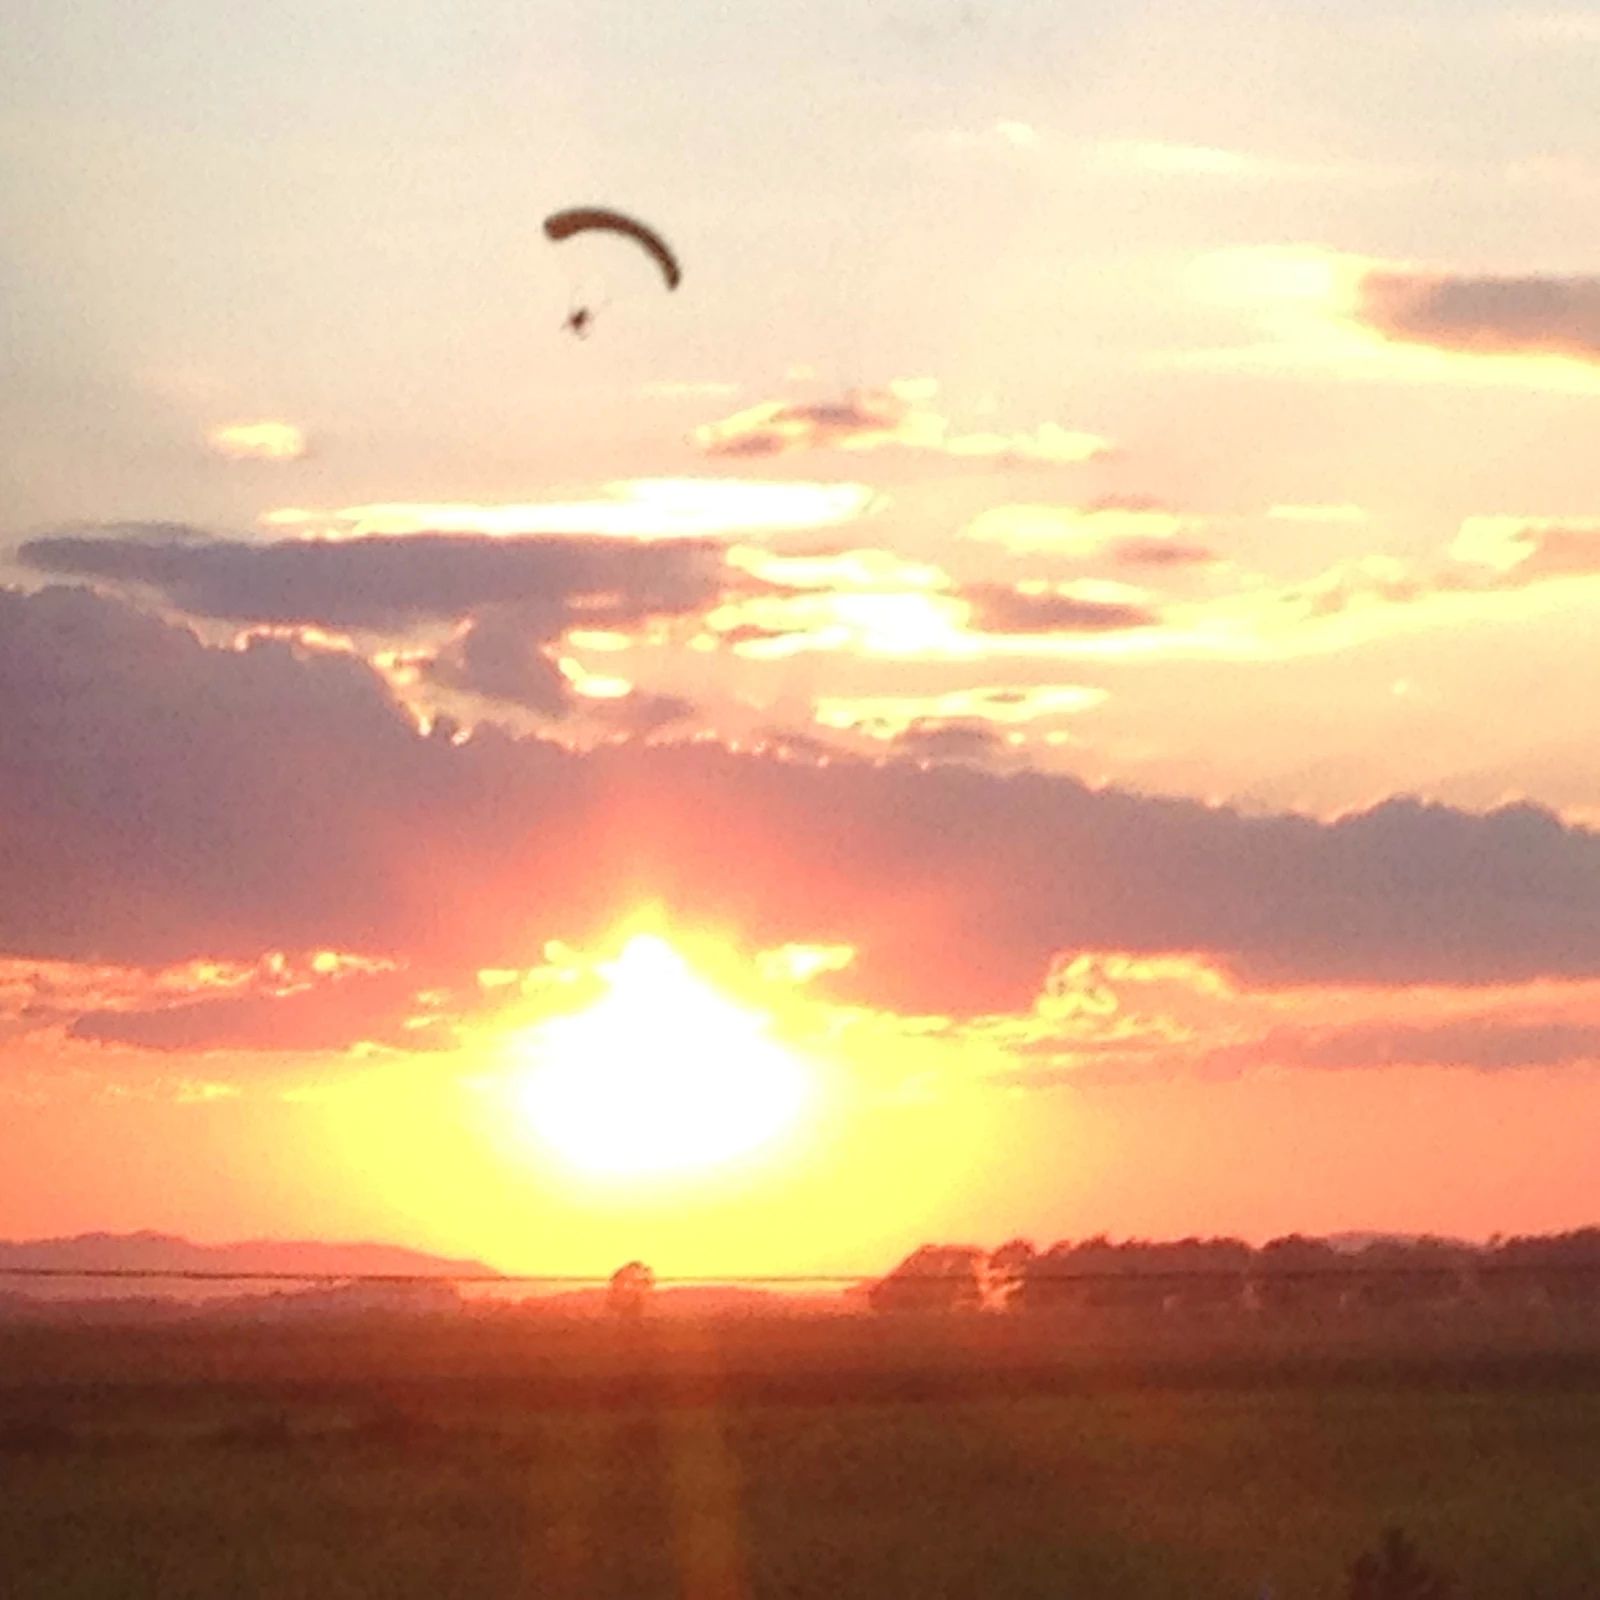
[584, 219]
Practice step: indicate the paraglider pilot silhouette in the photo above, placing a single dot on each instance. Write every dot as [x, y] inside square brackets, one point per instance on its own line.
[584, 219]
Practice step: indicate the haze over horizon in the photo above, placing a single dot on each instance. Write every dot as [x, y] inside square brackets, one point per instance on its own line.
[1044, 690]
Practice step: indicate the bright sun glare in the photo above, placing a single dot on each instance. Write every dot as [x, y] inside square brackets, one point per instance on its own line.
[663, 1074]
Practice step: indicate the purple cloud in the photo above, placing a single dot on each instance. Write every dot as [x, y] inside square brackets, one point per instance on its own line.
[393, 581]
[162, 800]
[1486, 315]
[998, 608]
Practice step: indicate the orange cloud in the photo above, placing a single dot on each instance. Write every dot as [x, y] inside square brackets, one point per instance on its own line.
[205, 1004]
[1111, 1016]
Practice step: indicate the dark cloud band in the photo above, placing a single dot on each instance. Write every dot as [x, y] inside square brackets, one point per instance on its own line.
[1484, 315]
[162, 800]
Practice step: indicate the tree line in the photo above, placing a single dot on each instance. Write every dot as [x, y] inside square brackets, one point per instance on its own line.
[1292, 1272]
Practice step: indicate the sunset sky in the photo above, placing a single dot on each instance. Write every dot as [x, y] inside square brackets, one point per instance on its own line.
[1048, 688]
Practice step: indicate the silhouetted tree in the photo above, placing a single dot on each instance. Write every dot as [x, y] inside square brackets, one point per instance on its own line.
[1301, 1274]
[1006, 1271]
[1135, 1275]
[1311, 1277]
[1205, 1274]
[1561, 1269]
[1410, 1272]
[630, 1290]
[1394, 1571]
[934, 1278]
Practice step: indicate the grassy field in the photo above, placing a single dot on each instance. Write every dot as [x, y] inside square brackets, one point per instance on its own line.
[834, 1460]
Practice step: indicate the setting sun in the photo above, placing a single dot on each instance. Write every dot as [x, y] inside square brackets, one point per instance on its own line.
[663, 1074]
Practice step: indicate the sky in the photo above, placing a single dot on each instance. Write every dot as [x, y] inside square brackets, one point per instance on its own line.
[1045, 689]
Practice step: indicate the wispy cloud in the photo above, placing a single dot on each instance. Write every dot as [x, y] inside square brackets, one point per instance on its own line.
[897, 417]
[257, 441]
[875, 603]
[1526, 550]
[1036, 607]
[1079, 532]
[637, 508]
[888, 716]
[1107, 1017]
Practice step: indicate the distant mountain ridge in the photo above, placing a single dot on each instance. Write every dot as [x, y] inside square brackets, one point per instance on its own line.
[147, 1251]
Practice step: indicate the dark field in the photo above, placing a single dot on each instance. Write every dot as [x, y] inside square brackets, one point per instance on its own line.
[835, 1457]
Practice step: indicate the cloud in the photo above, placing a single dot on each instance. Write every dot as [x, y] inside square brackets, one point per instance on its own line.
[1364, 582]
[257, 441]
[908, 610]
[1499, 567]
[866, 570]
[878, 604]
[371, 1009]
[1113, 1016]
[213, 803]
[975, 742]
[866, 600]
[1041, 608]
[1163, 553]
[503, 655]
[1184, 162]
[1530, 315]
[390, 581]
[640, 713]
[1524, 550]
[1370, 319]
[892, 716]
[1493, 561]
[896, 417]
[635, 508]
[1478, 1043]
[514, 597]
[1077, 532]
[317, 1000]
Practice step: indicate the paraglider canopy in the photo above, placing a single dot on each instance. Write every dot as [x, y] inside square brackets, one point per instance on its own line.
[583, 219]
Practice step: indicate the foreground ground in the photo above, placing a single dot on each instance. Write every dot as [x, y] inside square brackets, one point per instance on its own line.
[498, 1459]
